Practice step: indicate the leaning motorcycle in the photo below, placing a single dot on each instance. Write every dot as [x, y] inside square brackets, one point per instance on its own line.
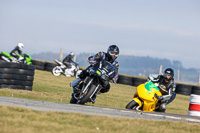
[69, 72]
[89, 88]
[24, 58]
[145, 98]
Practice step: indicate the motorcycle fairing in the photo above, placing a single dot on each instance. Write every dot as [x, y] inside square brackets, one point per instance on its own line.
[146, 93]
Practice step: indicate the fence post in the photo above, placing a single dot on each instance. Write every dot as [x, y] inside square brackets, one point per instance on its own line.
[199, 80]
[178, 75]
[160, 70]
[61, 55]
[75, 58]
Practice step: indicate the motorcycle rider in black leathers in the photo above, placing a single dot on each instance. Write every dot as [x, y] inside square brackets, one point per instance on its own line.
[68, 60]
[111, 56]
[166, 86]
[17, 51]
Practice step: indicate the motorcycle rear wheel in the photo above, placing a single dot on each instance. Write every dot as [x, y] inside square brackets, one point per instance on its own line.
[55, 71]
[132, 105]
[86, 98]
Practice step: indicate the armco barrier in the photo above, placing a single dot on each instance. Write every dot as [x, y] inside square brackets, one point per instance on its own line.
[16, 76]
[182, 89]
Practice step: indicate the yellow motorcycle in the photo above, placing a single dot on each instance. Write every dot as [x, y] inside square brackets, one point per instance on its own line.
[145, 98]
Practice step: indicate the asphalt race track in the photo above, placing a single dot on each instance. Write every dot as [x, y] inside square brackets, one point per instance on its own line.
[94, 110]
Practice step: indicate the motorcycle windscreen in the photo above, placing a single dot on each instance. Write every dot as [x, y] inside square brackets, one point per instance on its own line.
[106, 68]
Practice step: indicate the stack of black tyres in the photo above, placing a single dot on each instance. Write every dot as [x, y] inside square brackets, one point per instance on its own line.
[40, 65]
[43, 65]
[137, 81]
[183, 89]
[49, 66]
[16, 76]
[124, 80]
[133, 81]
[195, 90]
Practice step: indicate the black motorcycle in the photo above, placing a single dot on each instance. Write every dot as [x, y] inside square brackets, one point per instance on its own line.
[89, 88]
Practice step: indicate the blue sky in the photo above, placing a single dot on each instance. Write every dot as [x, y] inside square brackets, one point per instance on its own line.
[162, 29]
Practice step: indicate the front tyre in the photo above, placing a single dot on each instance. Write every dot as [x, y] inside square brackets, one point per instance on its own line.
[56, 71]
[132, 105]
[86, 98]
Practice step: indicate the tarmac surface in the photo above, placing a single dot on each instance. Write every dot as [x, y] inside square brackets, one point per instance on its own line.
[94, 110]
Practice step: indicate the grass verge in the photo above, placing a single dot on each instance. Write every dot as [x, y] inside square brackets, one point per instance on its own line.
[20, 120]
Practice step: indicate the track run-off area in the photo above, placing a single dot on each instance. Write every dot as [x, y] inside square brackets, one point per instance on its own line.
[94, 110]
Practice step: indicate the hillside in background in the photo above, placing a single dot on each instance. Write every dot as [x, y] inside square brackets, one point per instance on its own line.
[135, 65]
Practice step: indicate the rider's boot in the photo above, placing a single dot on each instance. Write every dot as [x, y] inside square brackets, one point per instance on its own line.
[74, 86]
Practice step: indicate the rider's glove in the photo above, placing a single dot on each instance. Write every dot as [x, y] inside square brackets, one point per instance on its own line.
[91, 61]
[158, 97]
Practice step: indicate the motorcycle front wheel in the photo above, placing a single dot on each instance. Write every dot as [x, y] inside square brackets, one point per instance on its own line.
[132, 105]
[56, 71]
[86, 97]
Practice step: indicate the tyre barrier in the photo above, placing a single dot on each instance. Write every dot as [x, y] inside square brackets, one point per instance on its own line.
[38, 64]
[138, 81]
[124, 80]
[183, 89]
[43, 65]
[16, 76]
[49, 66]
[195, 90]
[194, 106]
[133, 81]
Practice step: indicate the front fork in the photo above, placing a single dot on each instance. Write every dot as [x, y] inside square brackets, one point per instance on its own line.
[95, 93]
[85, 88]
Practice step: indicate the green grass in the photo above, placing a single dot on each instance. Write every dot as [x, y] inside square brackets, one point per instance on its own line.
[47, 87]
[20, 120]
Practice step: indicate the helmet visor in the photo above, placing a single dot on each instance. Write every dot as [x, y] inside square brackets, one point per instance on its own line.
[167, 76]
[114, 53]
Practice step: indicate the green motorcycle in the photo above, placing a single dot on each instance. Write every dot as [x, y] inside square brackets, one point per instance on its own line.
[24, 59]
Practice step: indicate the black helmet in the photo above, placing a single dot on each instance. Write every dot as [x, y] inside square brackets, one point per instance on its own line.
[169, 74]
[113, 51]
